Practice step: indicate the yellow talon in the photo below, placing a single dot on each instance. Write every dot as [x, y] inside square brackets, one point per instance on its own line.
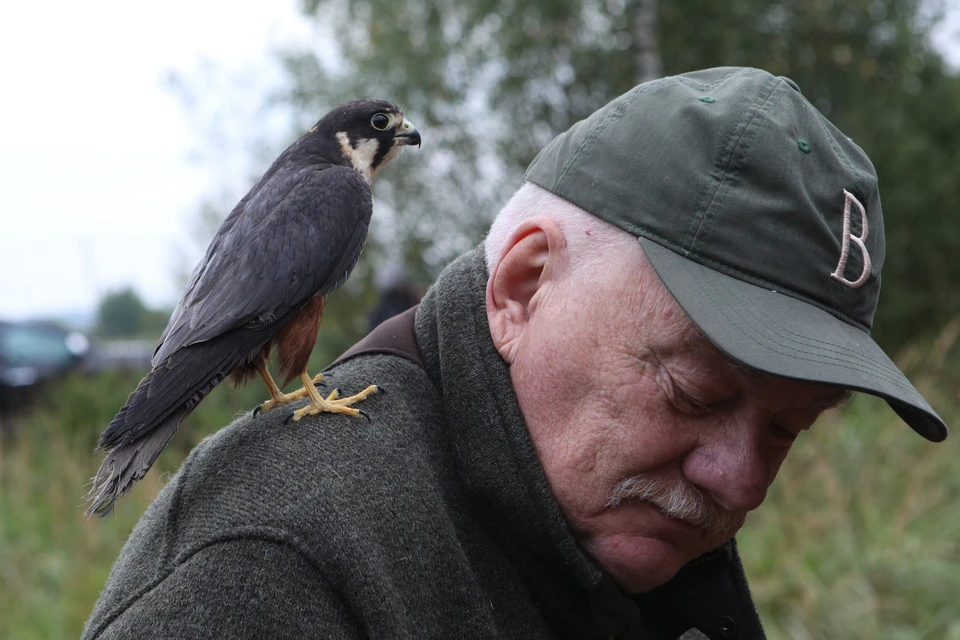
[278, 398]
[333, 403]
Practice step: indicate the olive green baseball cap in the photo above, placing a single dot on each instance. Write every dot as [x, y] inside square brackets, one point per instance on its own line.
[760, 217]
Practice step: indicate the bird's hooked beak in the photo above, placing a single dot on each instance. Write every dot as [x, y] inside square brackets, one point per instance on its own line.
[407, 134]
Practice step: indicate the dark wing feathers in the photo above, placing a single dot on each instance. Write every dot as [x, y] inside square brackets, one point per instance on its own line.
[274, 257]
[176, 382]
[163, 399]
[294, 236]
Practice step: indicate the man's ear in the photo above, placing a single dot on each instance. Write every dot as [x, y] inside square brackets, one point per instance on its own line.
[530, 261]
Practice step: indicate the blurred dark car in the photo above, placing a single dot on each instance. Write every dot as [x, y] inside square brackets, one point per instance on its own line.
[31, 352]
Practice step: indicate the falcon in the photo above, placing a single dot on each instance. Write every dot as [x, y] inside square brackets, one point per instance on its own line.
[261, 288]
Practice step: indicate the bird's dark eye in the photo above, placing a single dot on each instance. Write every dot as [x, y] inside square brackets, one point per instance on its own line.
[380, 122]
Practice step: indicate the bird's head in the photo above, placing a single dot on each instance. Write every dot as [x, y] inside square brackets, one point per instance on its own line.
[369, 133]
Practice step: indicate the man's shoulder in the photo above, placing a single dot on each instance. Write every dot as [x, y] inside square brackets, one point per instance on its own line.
[362, 506]
[325, 471]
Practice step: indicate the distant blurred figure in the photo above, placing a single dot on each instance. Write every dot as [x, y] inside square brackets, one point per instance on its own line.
[396, 295]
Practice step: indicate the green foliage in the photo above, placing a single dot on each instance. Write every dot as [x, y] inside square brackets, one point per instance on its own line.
[122, 314]
[54, 561]
[491, 82]
[867, 66]
[861, 540]
[859, 537]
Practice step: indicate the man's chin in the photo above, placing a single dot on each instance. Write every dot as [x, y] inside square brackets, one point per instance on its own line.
[637, 564]
[653, 549]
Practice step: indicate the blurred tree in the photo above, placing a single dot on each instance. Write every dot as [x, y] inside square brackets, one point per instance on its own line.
[497, 79]
[868, 66]
[122, 314]
[490, 82]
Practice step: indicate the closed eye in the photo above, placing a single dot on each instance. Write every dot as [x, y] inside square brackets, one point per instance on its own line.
[689, 404]
[681, 400]
[784, 434]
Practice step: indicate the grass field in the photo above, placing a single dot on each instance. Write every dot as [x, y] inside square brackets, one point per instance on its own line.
[54, 561]
[859, 538]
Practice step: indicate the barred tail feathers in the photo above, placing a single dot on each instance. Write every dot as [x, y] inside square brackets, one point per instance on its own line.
[163, 399]
[127, 463]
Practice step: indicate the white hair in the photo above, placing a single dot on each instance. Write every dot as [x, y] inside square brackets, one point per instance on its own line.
[588, 237]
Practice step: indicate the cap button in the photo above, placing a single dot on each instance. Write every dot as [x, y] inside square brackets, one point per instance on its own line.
[793, 85]
[727, 627]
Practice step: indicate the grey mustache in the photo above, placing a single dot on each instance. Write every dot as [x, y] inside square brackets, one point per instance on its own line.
[678, 500]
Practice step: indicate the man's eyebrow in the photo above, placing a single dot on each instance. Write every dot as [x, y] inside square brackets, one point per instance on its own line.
[842, 397]
[700, 343]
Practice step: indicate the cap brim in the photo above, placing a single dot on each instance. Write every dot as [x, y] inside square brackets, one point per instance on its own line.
[784, 336]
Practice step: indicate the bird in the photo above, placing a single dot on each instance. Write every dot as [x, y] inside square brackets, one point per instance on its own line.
[261, 288]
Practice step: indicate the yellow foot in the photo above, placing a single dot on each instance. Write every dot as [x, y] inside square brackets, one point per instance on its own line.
[334, 404]
[278, 398]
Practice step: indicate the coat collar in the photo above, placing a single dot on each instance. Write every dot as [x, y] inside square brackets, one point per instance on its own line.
[498, 464]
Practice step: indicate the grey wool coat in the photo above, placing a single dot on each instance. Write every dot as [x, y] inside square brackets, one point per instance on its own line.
[433, 520]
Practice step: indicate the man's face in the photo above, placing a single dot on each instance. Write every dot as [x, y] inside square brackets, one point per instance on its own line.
[655, 444]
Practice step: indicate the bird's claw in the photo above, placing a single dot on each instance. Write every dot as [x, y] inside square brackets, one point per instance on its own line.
[257, 410]
[364, 414]
[288, 418]
[381, 390]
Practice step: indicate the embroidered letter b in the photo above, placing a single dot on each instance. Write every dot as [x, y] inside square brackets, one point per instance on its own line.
[858, 240]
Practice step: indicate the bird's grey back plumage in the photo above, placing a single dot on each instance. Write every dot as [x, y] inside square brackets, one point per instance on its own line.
[297, 234]
[241, 279]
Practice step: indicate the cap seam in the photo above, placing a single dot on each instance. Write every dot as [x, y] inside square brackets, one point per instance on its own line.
[750, 278]
[754, 279]
[703, 87]
[707, 223]
[714, 179]
[810, 341]
[869, 367]
[856, 176]
[833, 144]
[591, 138]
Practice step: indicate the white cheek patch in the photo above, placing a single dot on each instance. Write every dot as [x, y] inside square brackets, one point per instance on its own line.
[361, 156]
[393, 153]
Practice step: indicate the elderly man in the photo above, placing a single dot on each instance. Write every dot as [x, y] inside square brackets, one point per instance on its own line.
[580, 415]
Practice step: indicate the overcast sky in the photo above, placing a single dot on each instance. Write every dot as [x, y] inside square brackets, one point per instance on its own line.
[97, 186]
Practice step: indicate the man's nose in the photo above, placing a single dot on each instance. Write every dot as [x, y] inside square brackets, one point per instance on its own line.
[735, 474]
